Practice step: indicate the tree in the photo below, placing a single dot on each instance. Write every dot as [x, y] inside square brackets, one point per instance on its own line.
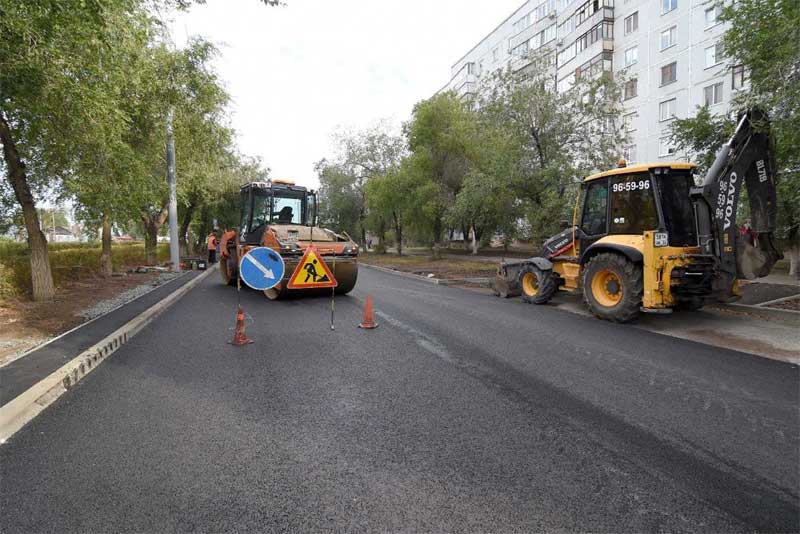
[761, 39]
[441, 136]
[341, 205]
[49, 63]
[403, 199]
[362, 155]
[549, 139]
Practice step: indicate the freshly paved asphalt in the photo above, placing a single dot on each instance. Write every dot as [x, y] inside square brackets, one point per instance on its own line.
[461, 412]
[21, 374]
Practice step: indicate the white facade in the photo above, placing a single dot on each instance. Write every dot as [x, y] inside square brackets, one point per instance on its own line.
[669, 47]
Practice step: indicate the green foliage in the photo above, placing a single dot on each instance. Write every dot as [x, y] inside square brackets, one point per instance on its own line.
[763, 38]
[70, 261]
[340, 201]
[362, 156]
[702, 135]
[442, 136]
[543, 141]
[87, 88]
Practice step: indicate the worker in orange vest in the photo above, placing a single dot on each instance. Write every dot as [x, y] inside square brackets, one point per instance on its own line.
[212, 247]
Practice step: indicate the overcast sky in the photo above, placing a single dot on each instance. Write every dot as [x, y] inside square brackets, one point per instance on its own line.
[298, 72]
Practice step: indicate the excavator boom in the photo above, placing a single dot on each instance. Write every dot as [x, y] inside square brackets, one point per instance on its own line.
[747, 159]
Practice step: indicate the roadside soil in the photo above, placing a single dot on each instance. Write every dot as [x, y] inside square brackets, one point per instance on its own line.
[25, 324]
[447, 268]
[791, 304]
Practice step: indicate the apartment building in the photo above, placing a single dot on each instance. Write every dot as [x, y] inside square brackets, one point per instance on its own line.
[668, 51]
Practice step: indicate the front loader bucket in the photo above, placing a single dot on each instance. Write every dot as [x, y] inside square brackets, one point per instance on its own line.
[505, 282]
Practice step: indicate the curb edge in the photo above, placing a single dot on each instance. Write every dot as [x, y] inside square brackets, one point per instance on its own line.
[25, 407]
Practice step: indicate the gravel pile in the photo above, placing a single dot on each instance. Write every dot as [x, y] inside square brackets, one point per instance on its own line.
[105, 306]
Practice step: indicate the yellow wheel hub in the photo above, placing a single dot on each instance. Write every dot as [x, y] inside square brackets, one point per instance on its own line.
[607, 288]
[530, 284]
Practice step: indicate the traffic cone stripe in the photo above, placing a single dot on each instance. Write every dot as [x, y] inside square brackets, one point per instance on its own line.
[368, 321]
[239, 336]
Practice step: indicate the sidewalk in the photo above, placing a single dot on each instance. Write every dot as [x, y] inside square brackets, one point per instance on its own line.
[21, 374]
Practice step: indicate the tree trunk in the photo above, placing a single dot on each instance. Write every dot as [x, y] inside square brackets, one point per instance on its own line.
[150, 243]
[398, 234]
[465, 236]
[106, 265]
[41, 274]
[183, 239]
[437, 236]
[152, 224]
[474, 242]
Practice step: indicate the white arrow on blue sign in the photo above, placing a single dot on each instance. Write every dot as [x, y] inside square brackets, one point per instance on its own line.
[261, 268]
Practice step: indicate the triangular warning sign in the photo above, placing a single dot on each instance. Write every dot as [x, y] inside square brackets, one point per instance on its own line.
[311, 272]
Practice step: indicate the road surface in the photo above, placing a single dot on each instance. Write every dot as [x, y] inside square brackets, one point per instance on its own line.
[461, 412]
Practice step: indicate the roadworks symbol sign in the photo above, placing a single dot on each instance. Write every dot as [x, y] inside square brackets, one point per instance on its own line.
[311, 272]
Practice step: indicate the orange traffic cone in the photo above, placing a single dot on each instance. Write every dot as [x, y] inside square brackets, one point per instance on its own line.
[368, 321]
[239, 337]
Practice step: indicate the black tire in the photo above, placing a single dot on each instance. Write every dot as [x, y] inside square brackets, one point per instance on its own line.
[536, 286]
[347, 286]
[619, 286]
[228, 269]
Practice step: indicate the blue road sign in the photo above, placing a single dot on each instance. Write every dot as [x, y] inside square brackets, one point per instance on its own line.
[261, 268]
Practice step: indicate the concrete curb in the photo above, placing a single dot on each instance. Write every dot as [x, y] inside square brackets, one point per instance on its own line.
[434, 281]
[90, 321]
[18, 412]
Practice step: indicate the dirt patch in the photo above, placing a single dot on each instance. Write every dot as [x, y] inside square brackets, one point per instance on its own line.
[790, 304]
[25, 324]
[443, 269]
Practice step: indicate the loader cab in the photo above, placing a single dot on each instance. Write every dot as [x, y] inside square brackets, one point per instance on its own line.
[628, 201]
[276, 202]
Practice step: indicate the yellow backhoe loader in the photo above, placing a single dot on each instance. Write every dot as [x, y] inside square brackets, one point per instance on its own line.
[646, 239]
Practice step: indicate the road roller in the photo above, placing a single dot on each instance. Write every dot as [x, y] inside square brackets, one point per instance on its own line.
[283, 216]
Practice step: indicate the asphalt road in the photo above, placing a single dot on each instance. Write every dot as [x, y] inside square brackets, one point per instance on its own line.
[461, 412]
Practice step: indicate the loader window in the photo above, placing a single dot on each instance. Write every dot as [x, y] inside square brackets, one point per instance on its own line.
[677, 208]
[633, 206]
[595, 209]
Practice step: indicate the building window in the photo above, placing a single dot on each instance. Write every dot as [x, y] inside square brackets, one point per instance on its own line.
[712, 94]
[632, 23]
[522, 23]
[714, 55]
[480, 67]
[666, 110]
[712, 15]
[738, 77]
[668, 5]
[470, 68]
[629, 153]
[665, 147]
[495, 54]
[668, 37]
[549, 34]
[521, 50]
[669, 73]
[631, 56]
[629, 122]
[631, 88]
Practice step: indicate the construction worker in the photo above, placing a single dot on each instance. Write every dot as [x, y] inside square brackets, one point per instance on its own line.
[212, 247]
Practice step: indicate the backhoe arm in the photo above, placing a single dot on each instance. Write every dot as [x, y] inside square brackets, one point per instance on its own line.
[747, 158]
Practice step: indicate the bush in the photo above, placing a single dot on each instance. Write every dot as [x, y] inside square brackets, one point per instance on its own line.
[69, 261]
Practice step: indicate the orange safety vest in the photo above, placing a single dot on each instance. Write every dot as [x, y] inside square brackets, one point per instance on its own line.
[212, 242]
